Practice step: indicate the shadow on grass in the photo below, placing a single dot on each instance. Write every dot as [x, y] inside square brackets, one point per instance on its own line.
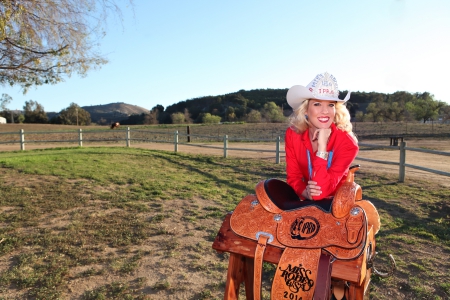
[189, 162]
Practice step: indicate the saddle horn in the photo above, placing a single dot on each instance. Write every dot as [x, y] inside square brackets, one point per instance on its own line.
[351, 173]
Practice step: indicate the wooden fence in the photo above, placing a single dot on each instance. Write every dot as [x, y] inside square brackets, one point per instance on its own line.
[158, 137]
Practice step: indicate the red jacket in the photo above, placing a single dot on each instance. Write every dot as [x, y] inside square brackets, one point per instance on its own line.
[344, 149]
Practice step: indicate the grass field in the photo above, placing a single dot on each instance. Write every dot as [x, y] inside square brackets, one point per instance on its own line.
[128, 223]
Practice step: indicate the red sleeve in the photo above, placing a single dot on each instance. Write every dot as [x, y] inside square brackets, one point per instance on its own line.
[344, 152]
[293, 171]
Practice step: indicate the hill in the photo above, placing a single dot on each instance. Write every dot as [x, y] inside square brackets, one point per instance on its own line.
[240, 103]
[113, 112]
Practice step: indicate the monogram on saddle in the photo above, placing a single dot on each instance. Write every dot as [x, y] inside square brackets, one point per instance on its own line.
[305, 239]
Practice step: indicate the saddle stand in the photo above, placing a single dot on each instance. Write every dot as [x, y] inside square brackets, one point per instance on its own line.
[322, 249]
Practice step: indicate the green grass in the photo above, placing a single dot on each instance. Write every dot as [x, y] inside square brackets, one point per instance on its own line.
[140, 223]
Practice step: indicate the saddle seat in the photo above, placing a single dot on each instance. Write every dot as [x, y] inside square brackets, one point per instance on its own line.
[274, 192]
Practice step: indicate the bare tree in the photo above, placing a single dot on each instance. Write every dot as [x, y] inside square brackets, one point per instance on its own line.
[187, 116]
[4, 101]
[42, 41]
[153, 116]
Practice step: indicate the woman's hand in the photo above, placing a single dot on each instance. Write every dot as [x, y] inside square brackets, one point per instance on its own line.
[312, 189]
[322, 135]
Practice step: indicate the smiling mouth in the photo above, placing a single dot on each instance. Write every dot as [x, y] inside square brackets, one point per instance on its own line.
[323, 119]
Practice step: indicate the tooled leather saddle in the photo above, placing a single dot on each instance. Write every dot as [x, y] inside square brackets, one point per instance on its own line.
[312, 235]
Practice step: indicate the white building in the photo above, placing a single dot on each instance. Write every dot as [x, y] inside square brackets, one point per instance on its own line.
[2, 120]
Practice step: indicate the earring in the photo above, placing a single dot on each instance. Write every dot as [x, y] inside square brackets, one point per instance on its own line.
[306, 117]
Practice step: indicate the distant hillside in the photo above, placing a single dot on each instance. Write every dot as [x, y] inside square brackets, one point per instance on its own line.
[234, 106]
[242, 102]
[113, 112]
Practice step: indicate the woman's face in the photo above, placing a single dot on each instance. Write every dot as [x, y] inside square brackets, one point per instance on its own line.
[321, 113]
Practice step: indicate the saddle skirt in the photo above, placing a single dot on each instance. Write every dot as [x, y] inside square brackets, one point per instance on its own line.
[303, 229]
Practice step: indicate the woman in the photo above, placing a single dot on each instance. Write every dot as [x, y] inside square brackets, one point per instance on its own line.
[320, 144]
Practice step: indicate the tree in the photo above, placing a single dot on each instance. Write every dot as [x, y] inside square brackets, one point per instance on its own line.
[375, 112]
[445, 112]
[177, 118]
[152, 116]
[359, 116]
[272, 113]
[73, 115]
[34, 112]
[210, 119]
[394, 111]
[159, 107]
[21, 118]
[396, 108]
[254, 116]
[41, 41]
[230, 114]
[187, 116]
[4, 101]
[424, 107]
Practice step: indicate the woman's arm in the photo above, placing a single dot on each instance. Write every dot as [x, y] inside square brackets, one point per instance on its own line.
[344, 152]
[294, 173]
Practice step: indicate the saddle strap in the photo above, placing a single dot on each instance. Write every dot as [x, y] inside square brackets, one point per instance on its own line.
[296, 274]
[258, 263]
[323, 278]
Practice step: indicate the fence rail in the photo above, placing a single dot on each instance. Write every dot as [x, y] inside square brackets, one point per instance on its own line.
[145, 136]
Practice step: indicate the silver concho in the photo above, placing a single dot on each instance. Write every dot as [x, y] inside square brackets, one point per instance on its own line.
[355, 211]
[277, 218]
[254, 203]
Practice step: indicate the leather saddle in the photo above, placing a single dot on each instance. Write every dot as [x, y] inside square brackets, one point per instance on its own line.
[312, 234]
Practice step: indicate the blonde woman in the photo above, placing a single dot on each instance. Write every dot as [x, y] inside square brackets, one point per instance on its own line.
[319, 144]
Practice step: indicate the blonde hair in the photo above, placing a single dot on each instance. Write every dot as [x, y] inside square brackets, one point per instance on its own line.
[300, 123]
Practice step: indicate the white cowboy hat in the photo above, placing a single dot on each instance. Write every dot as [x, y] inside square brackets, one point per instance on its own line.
[323, 87]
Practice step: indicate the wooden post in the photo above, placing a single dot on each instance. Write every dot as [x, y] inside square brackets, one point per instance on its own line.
[22, 140]
[277, 159]
[80, 138]
[225, 146]
[188, 134]
[235, 276]
[176, 141]
[128, 137]
[401, 175]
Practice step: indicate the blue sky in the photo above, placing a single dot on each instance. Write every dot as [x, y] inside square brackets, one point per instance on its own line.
[169, 51]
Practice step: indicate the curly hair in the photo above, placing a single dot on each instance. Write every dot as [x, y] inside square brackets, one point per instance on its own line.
[299, 123]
